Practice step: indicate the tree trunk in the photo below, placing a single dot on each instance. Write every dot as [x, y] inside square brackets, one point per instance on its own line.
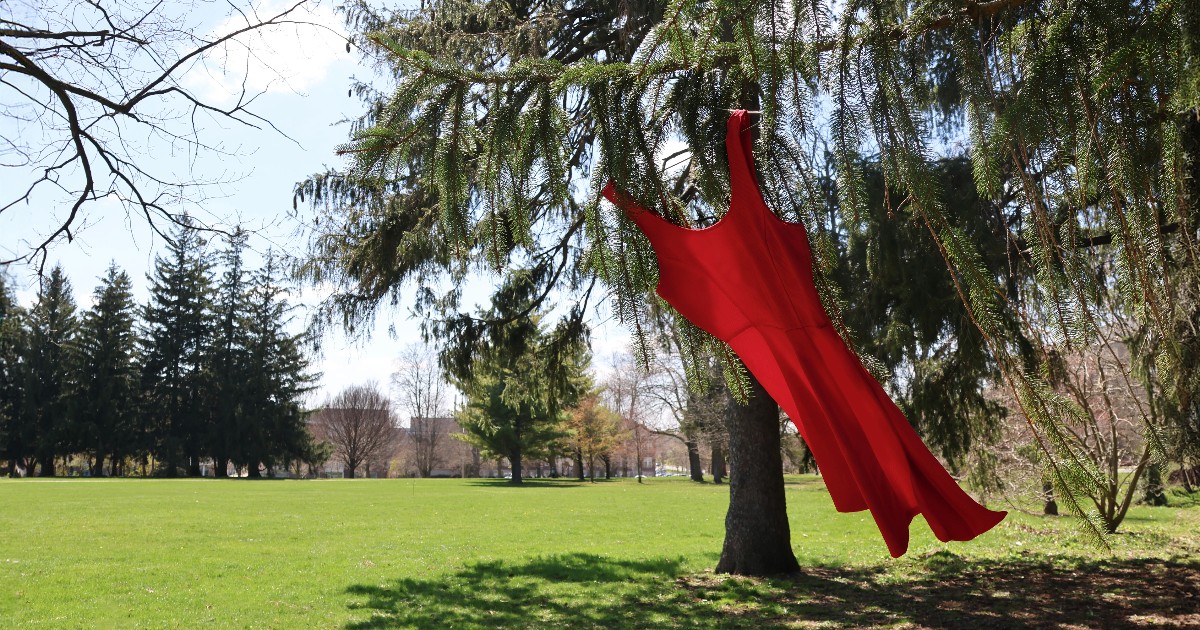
[718, 463]
[193, 465]
[98, 465]
[349, 469]
[172, 463]
[607, 459]
[757, 535]
[579, 464]
[696, 468]
[637, 443]
[46, 465]
[514, 460]
[221, 470]
[253, 472]
[1051, 506]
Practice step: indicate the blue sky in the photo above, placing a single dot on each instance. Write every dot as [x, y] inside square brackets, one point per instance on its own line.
[301, 76]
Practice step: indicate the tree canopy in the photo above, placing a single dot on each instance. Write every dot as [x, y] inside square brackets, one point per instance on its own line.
[164, 385]
[1078, 121]
[519, 379]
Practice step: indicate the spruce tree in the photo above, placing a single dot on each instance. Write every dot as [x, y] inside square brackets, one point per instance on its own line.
[106, 398]
[178, 332]
[50, 362]
[904, 312]
[273, 431]
[14, 439]
[1074, 116]
[518, 376]
[229, 371]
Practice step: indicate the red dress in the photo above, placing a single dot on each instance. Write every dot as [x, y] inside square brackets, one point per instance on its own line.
[748, 281]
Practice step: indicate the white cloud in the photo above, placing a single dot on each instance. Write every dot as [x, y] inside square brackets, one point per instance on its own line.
[288, 57]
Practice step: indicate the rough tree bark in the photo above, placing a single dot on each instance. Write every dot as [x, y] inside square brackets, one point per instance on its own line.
[514, 462]
[718, 463]
[694, 464]
[1050, 507]
[758, 538]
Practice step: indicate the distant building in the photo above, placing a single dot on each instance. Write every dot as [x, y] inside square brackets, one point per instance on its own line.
[429, 446]
[641, 442]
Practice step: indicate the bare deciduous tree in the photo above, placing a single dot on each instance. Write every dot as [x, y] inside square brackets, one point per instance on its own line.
[1107, 419]
[697, 416]
[423, 394]
[626, 391]
[359, 424]
[1113, 428]
[87, 88]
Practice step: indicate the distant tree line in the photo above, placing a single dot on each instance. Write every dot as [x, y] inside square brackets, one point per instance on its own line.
[205, 370]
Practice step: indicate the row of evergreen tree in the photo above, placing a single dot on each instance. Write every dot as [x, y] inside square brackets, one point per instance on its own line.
[205, 370]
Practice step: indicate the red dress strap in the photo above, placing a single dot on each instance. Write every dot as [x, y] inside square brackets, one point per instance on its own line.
[743, 182]
[739, 146]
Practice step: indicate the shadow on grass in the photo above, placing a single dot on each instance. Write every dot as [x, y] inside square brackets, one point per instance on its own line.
[941, 591]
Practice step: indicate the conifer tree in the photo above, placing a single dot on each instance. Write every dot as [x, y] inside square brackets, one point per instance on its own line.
[903, 310]
[1074, 116]
[14, 444]
[518, 377]
[229, 369]
[178, 331]
[106, 399]
[50, 362]
[272, 429]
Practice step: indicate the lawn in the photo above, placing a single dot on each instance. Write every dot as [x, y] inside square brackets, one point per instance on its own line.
[478, 553]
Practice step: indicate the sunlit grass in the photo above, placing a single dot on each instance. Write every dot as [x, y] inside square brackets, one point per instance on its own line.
[436, 553]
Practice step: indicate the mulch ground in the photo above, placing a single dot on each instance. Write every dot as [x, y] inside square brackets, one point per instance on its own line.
[952, 593]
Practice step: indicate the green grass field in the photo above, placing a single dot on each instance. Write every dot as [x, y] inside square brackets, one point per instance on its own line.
[478, 553]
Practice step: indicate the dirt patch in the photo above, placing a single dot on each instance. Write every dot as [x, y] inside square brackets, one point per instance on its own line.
[952, 593]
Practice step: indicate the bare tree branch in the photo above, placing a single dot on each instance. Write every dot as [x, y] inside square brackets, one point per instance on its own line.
[78, 80]
[423, 394]
[359, 424]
